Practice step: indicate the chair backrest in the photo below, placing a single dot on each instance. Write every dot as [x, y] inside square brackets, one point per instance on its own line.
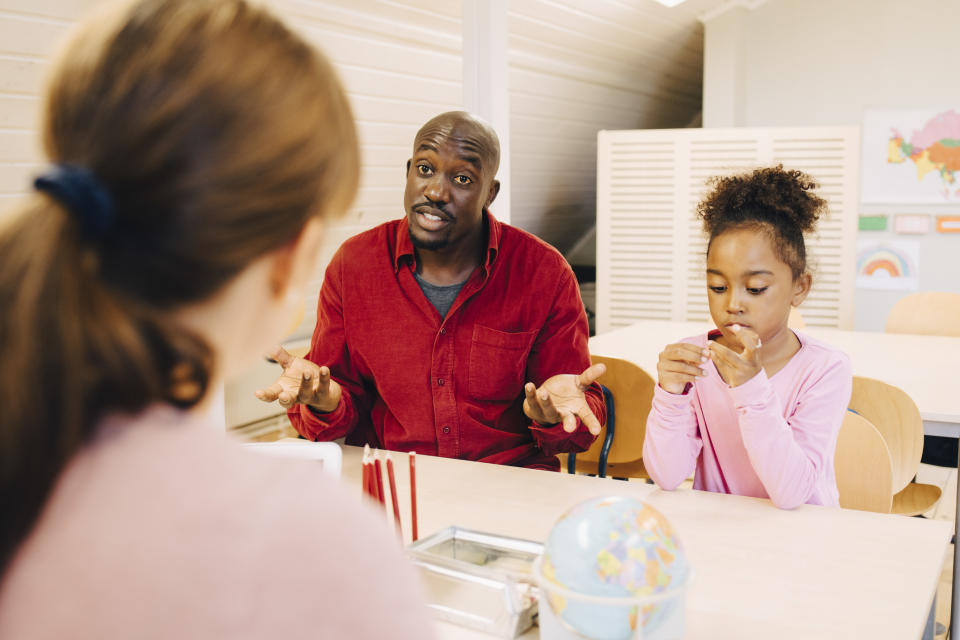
[863, 467]
[632, 390]
[929, 313]
[898, 420]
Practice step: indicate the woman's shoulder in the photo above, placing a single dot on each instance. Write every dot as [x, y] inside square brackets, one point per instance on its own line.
[155, 517]
[324, 541]
[331, 548]
[314, 538]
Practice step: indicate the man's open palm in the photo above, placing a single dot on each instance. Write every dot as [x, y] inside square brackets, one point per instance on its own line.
[561, 399]
[302, 382]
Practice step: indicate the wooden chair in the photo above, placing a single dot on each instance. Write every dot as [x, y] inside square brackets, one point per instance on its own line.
[863, 467]
[618, 449]
[931, 313]
[898, 420]
[928, 313]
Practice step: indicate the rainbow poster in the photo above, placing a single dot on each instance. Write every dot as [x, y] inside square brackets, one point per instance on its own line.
[888, 265]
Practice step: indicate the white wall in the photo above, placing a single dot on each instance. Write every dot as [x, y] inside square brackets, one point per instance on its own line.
[579, 66]
[30, 30]
[822, 62]
[400, 62]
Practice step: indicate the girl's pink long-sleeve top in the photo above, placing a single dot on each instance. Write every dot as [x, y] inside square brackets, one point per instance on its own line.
[768, 438]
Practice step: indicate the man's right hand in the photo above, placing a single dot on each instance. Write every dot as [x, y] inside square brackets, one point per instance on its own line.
[302, 382]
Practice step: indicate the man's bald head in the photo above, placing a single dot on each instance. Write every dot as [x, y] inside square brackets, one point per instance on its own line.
[473, 136]
[451, 180]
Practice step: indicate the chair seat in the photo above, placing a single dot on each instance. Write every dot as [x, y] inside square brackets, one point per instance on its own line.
[633, 469]
[915, 499]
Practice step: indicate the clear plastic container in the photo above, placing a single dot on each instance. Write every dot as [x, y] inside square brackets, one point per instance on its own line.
[479, 580]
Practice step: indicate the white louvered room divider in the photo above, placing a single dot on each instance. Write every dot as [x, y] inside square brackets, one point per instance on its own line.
[651, 246]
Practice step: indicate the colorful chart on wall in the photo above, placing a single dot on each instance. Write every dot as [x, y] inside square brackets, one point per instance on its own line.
[892, 264]
[911, 156]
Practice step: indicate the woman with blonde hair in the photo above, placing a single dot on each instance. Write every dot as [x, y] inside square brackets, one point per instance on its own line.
[196, 148]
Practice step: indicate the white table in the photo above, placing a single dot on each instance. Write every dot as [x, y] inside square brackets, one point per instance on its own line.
[761, 572]
[923, 366]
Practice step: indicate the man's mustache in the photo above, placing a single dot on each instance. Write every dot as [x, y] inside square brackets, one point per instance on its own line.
[432, 208]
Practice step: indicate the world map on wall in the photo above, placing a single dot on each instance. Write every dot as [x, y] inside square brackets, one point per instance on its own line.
[911, 156]
[934, 147]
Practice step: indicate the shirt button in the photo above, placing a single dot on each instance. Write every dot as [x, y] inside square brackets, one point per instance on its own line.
[443, 330]
[440, 382]
[446, 429]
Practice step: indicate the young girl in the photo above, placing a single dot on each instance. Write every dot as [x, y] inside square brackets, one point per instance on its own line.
[197, 146]
[754, 407]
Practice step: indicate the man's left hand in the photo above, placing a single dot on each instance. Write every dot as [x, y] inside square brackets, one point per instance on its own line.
[561, 399]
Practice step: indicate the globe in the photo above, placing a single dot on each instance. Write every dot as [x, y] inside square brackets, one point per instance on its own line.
[614, 548]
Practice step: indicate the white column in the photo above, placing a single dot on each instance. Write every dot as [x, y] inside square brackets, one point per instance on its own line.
[486, 81]
[724, 79]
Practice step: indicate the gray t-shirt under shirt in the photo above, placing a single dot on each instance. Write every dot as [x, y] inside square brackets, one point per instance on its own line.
[440, 297]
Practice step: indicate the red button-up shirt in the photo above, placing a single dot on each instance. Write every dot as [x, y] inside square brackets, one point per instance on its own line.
[453, 387]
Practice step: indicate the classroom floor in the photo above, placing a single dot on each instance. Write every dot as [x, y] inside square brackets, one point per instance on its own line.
[946, 479]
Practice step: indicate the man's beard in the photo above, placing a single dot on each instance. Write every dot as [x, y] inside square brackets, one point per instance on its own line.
[429, 245]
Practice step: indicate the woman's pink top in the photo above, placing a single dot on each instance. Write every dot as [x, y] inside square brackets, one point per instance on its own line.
[163, 528]
[769, 438]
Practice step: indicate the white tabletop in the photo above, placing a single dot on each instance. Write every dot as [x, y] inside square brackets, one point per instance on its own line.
[926, 367]
[760, 572]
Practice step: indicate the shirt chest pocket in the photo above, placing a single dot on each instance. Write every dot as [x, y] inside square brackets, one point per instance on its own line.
[498, 360]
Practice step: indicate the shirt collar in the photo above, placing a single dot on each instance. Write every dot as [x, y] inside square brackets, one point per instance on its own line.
[403, 247]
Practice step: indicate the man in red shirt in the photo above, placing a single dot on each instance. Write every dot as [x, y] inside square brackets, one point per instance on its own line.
[447, 332]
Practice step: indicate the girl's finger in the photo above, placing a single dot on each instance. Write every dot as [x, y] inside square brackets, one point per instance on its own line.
[686, 369]
[718, 349]
[685, 352]
[749, 339]
[678, 378]
[724, 354]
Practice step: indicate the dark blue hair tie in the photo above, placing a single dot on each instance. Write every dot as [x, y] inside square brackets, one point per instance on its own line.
[79, 191]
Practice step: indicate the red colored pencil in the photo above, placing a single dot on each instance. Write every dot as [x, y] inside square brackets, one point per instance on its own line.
[365, 478]
[393, 494]
[413, 496]
[367, 471]
[378, 480]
